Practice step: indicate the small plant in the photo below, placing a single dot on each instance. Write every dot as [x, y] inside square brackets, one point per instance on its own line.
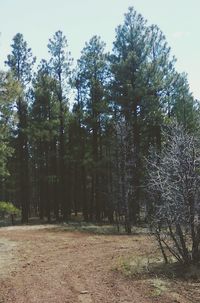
[7, 208]
[133, 266]
[160, 286]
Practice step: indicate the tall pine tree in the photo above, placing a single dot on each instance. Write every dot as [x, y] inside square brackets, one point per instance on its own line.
[21, 62]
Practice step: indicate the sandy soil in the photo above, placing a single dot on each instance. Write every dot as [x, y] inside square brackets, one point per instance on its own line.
[49, 265]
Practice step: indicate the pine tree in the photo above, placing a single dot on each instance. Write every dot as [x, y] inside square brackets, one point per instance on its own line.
[21, 62]
[60, 63]
[8, 92]
[44, 137]
[143, 71]
[93, 74]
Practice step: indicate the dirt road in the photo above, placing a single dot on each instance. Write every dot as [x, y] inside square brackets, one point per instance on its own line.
[49, 265]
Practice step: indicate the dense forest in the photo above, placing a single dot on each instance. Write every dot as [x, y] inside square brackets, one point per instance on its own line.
[75, 137]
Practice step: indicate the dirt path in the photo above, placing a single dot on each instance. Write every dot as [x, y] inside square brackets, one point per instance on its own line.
[52, 266]
[49, 265]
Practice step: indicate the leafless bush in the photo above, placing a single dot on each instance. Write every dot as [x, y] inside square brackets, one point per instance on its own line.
[174, 191]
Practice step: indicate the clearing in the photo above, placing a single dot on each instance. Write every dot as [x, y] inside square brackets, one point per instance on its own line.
[49, 264]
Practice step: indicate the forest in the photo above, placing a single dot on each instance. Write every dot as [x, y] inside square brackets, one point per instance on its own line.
[89, 137]
[102, 156]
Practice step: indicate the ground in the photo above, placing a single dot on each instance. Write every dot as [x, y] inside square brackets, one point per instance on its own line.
[48, 264]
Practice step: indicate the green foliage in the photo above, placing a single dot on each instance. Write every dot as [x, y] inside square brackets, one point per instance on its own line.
[9, 89]
[73, 159]
[60, 63]
[21, 60]
[7, 208]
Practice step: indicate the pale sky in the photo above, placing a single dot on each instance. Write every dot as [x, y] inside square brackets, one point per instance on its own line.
[38, 20]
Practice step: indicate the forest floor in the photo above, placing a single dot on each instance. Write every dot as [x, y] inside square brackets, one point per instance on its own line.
[51, 264]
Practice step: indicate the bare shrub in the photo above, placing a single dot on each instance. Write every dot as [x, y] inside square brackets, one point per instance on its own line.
[174, 193]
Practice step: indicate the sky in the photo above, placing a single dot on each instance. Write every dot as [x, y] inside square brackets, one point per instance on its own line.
[38, 20]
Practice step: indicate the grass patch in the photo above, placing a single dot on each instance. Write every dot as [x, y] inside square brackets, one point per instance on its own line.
[99, 229]
[150, 267]
[136, 266]
[159, 286]
[91, 228]
[142, 268]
